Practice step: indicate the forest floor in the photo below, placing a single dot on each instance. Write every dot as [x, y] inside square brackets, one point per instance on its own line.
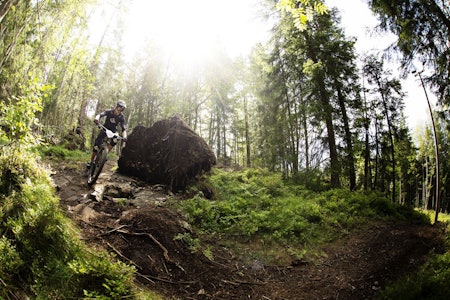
[132, 219]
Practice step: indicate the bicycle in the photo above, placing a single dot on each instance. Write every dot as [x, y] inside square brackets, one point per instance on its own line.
[101, 156]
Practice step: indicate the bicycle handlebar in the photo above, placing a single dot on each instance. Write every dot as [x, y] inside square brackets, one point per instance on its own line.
[109, 133]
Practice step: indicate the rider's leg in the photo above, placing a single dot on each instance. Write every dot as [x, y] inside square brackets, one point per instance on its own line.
[97, 143]
[93, 155]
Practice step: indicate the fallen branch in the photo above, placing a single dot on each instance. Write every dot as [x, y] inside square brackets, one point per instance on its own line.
[149, 235]
[93, 225]
[112, 230]
[239, 282]
[123, 256]
[161, 246]
[149, 277]
[145, 277]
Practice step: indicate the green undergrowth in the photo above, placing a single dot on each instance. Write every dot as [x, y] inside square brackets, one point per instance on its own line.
[41, 255]
[266, 218]
[432, 280]
[70, 158]
[59, 153]
[257, 205]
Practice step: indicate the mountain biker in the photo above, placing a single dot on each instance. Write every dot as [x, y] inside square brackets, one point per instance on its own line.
[114, 118]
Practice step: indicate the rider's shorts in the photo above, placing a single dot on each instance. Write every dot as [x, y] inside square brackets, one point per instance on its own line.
[99, 139]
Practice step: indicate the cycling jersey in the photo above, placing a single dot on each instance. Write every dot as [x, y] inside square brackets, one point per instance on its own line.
[112, 121]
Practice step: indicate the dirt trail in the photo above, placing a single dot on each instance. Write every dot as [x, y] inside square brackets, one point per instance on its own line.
[133, 221]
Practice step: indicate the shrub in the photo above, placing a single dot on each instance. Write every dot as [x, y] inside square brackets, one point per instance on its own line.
[257, 203]
[55, 152]
[40, 249]
[431, 282]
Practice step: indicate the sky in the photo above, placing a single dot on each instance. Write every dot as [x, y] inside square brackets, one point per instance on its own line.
[189, 28]
[358, 21]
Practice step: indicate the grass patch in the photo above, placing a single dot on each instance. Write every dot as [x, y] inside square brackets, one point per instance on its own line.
[443, 218]
[254, 205]
[41, 255]
[431, 281]
[60, 153]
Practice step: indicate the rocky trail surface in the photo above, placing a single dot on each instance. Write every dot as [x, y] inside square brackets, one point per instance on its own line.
[132, 219]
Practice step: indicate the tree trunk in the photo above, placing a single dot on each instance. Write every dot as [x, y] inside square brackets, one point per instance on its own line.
[391, 138]
[367, 179]
[350, 163]
[366, 142]
[247, 134]
[5, 6]
[328, 115]
[377, 157]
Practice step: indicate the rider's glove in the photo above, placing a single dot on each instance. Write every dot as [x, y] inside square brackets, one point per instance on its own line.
[96, 121]
[124, 139]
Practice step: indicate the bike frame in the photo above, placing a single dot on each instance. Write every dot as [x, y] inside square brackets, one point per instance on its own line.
[101, 156]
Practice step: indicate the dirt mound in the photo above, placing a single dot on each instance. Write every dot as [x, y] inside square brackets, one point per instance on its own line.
[156, 241]
[134, 221]
[169, 152]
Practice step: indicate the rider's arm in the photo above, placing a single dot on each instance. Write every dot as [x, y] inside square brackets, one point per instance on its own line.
[97, 119]
[99, 116]
[123, 125]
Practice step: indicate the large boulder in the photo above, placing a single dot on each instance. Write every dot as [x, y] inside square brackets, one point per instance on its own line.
[168, 153]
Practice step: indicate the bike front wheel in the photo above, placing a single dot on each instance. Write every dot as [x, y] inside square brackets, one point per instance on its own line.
[97, 165]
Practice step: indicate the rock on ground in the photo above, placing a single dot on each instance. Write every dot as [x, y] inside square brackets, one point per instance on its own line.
[168, 153]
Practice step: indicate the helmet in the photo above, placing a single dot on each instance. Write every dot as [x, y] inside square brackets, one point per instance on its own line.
[122, 104]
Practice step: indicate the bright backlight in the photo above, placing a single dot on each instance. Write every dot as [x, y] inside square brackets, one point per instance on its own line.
[187, 30]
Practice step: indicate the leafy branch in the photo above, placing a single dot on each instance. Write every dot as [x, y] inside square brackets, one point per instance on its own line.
[302, 11]
[18, 117]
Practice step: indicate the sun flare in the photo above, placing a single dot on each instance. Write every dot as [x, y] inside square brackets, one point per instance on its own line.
[187, 30]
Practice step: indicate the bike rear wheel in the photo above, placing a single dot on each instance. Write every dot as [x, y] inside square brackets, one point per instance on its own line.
[97, 165]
